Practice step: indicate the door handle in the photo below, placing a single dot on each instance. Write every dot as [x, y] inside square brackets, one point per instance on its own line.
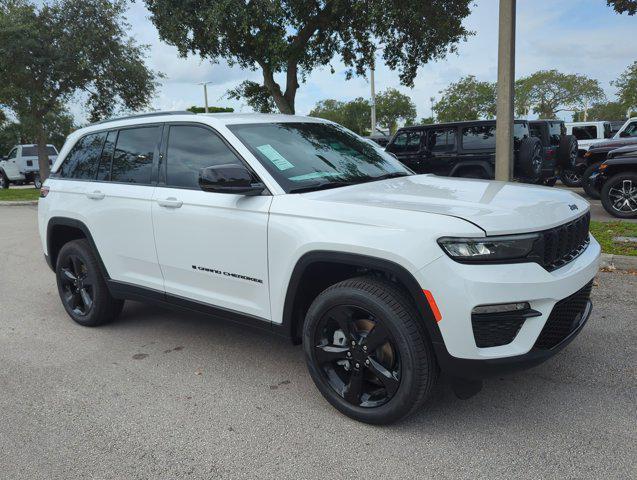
[96, 195]
[170, 202]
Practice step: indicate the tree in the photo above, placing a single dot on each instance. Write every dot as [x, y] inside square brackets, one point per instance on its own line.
[57, 124]
[69, 49]
[623, 6]
[257, 96]
[392, 107]
[548, 92]
[627, 87]
[291, 38]
[195, 109]
[602, 111]
[466, 99]
[355, 115]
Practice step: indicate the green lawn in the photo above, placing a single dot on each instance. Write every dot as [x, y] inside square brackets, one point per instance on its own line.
[16, 194]
[605, 231]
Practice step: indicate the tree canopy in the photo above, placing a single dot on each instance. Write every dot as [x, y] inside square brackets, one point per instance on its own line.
[69, 49]
[57, 124]
[290, 38]
[627, 87]
[391, 107]
[547, 92]
[196, 109]
[255, 95]
[623, 6]
[602, 111]
[466, 99]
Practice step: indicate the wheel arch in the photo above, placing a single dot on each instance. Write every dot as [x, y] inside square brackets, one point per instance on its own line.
[485, 166]
[316, 270]
[61, 230]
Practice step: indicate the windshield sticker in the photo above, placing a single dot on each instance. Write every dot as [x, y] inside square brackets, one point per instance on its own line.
[310, 176]
[275, 157]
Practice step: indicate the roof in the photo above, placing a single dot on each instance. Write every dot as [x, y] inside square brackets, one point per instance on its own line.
[460, 123]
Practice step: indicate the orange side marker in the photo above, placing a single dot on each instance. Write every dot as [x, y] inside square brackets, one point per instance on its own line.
[432, 305]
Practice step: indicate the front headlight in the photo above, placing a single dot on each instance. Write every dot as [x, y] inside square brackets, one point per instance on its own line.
[489, 249]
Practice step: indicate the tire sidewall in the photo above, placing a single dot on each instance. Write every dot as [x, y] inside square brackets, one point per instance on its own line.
[404, 398]
[37, 182]
[589, 187]
[4, 181]
[605, 191]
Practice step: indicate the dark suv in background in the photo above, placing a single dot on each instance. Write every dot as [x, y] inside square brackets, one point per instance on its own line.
[560, 150]
[464, 149]
[467, 149]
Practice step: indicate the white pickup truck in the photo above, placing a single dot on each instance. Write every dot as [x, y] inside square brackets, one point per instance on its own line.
[588, 133]
[21, 165]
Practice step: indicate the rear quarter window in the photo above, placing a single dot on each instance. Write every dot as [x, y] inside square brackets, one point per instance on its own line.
[81, 162]
[479, 137]
[33, 151]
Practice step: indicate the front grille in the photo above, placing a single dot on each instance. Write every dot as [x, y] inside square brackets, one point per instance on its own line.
[495, 330]
[563, 244]
[565, 317]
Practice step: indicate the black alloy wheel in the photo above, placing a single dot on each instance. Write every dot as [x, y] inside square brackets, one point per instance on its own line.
[367, 350]
[619, 195]
[78, 285]
[4, 181]
[81, 285]
[357, 355]
[571, 177]
[537, 159]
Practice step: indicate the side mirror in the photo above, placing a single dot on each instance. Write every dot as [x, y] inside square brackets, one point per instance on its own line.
[624, 134]
[229, 178]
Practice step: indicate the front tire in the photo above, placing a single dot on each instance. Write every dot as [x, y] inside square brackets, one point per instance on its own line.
[589, 187]
[82, 288]
[37, 181]
[367, 351]
[619, 195]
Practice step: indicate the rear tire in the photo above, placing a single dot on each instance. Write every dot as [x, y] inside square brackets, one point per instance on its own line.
[619, 195]
[571, 178]
[4, 181]
[367, 351]
[82, 287]
[531, 158]
[567, 151]
[589, 187]
[37, 181]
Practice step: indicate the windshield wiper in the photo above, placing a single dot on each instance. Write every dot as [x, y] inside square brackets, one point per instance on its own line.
[319, 186]
[389, 175]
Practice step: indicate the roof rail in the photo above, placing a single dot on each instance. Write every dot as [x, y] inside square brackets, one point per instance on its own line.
[144, 115]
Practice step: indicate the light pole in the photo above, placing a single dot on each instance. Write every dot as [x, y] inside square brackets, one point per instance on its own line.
[506, 81]
[371, 81]
[432, 100]
[205, 95]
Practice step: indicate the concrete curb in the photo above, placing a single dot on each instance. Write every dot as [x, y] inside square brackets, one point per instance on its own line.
[619, 262]
[17, 203]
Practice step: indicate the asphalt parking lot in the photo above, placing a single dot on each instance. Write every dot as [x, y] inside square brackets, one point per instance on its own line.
[167, 395]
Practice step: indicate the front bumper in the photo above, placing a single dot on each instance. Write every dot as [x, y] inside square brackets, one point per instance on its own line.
[458, 288]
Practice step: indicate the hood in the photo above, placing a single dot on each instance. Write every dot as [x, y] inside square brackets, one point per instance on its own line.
[615, 143]
[498, 208]
[629, 151]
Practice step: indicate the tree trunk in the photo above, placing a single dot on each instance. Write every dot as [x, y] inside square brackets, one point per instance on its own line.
[283, 101]
[43, 157]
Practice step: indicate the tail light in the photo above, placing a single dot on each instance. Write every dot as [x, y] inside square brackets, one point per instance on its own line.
[550, 153]
[44, 191]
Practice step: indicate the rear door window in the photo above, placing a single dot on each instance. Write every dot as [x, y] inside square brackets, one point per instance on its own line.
[479, 137]
[81, 162]
[191, 149]
[585, 132]
[104, 167]
[133, 156]
[407, 141]
[555, 133]
[442, 140]
[33, 151]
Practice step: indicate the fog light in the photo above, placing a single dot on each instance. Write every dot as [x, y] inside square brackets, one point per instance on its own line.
[501, 308]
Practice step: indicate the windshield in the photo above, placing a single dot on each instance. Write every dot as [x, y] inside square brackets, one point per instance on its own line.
[304, 156]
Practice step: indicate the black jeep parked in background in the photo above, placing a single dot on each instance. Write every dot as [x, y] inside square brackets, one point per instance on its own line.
[467, 149]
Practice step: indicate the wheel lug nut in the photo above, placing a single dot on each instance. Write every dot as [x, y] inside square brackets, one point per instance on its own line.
[358, 365]
[349, 354]
[366, 362]
[365, 347]
[353, 343]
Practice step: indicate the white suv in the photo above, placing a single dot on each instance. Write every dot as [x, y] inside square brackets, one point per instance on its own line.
[297, 226]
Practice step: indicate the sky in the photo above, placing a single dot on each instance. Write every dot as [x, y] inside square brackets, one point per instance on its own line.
[573, 36]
